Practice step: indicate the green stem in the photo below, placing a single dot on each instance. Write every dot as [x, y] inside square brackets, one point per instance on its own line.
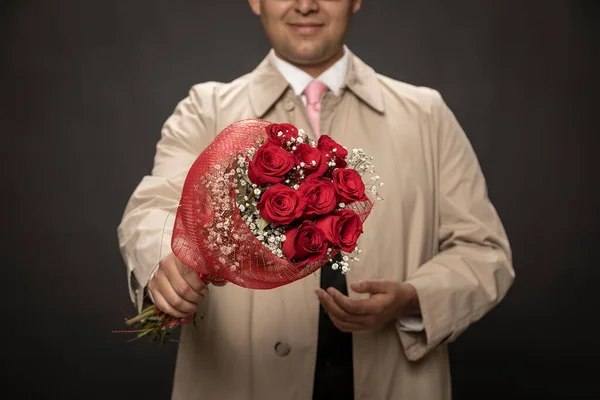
[144, 333]
[148, 312]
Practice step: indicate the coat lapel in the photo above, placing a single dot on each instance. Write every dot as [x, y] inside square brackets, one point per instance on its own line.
[266, 86]
[363, 81]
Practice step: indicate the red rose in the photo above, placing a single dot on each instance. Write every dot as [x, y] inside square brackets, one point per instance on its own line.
[314, 161]
[342, 228]
[327, 146]
[348, 185]
[288, 131]
[281, 205]
[270, 164]
[305, 244]
[320, 196]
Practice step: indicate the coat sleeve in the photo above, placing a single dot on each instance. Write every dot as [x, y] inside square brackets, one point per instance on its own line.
[472, 270]
[145, 230]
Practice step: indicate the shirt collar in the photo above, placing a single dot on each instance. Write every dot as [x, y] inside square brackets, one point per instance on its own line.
[267, 84]
[333, 77]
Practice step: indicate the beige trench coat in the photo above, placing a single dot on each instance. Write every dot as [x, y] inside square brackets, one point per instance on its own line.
[436, 229]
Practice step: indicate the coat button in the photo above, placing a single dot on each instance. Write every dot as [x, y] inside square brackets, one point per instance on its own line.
[289, 105]
[282, 349]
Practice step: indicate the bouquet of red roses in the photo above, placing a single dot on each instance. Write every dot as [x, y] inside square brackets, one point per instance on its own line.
[264, 206]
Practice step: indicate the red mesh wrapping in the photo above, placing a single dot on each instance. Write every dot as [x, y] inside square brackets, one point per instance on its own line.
[209, 234]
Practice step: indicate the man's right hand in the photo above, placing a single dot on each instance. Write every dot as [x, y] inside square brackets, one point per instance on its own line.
[176, 289]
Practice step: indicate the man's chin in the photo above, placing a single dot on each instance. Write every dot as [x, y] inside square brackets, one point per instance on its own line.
[307, 55]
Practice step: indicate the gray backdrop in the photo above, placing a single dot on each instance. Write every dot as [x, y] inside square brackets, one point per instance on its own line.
[86, 86]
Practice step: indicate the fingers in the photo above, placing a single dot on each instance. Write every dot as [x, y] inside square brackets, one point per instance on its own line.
[371, 286]
[164, 306]
[189, 287]
[176, 289]
[351, 306]
[347, 326]
[355, 315]
[189, 276]
[165, 288]
[342, 318]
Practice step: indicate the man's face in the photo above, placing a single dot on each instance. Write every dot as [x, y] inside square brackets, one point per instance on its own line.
[306, 32]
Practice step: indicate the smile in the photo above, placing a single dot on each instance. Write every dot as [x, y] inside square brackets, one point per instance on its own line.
[305, 29]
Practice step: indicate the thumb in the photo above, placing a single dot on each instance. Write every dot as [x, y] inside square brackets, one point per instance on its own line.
[370, 286]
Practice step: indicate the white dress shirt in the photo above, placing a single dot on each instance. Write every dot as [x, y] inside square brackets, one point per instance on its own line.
[333, 77]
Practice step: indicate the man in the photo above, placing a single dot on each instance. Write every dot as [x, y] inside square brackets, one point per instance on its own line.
[435, 255]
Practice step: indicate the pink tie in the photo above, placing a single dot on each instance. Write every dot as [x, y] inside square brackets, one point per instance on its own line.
[313, 92]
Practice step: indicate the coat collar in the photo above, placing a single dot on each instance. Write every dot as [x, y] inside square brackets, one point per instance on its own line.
[362, 80]
[267, 85]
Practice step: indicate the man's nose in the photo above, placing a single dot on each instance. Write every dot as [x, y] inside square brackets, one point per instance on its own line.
[307, 6]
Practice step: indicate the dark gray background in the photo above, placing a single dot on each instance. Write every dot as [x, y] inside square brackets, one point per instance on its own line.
[86, 86]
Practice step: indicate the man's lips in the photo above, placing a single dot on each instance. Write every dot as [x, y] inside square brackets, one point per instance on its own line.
[305, 28]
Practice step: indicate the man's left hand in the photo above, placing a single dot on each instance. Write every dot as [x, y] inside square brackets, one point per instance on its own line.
[388, 301]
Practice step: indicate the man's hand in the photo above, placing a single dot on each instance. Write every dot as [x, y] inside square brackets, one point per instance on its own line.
[388, 301]
[176, 289]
